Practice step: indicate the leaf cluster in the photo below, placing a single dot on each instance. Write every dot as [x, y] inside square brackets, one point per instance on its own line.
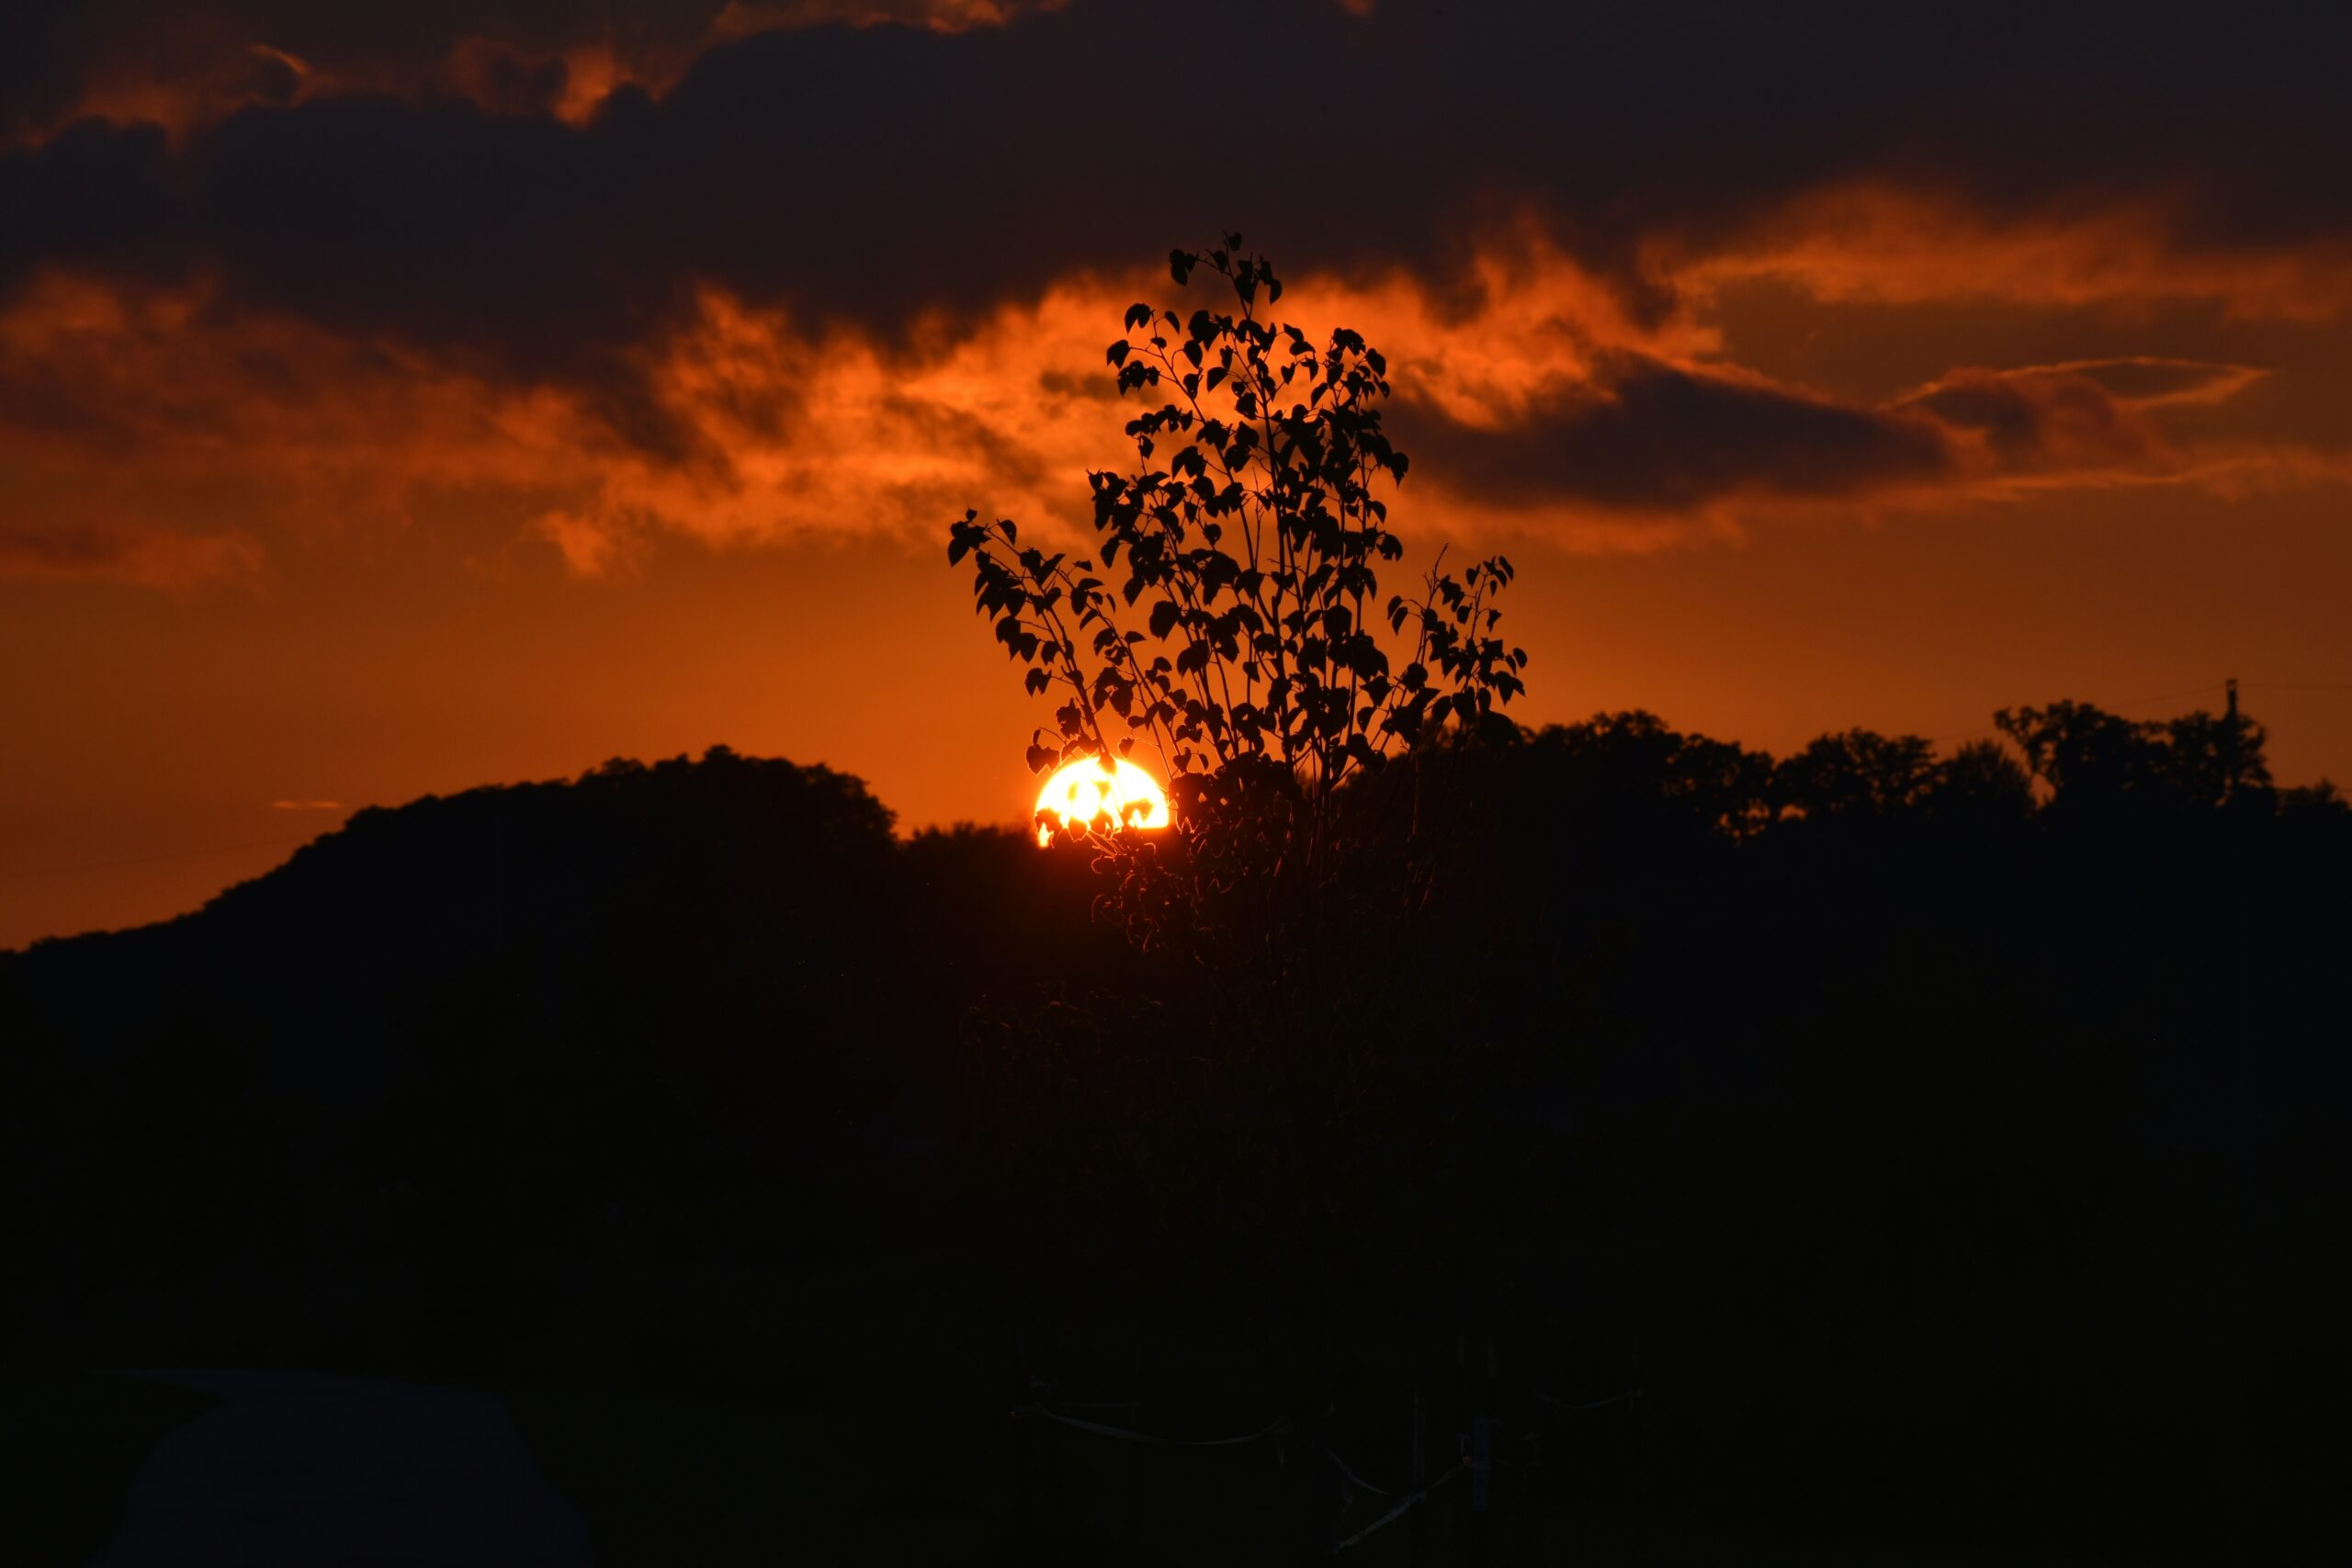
[1230, 617]
[2090, 758]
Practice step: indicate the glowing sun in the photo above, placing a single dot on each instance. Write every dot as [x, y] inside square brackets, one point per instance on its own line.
[1086, 791]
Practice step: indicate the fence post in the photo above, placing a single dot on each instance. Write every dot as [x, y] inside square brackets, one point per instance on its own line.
[1536, 1487]
[1135, 1473]
[1328, 1525]
[1025, 1427]
[1641, 1465]
[1482, 1460]
[1420, 1521]
[1463, 1419]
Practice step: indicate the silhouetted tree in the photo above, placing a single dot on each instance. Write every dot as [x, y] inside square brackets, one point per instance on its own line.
[1244, 649]
[1859, 772]
[1636, 762]
[1982, 783]
[2090, 758]
[1904, 1139]
[2321, 800]
[1229, 624]
[2212, 761]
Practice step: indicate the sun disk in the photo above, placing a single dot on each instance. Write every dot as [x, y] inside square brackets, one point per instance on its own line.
[1101, 795]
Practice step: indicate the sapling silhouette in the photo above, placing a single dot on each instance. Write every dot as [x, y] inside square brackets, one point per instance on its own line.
[1255, 1158]
[1244, 649]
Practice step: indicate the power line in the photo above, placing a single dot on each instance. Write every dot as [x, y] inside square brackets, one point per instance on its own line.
[2169, 696]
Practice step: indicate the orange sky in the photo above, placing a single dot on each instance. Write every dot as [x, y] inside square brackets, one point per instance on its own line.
[1868, 442]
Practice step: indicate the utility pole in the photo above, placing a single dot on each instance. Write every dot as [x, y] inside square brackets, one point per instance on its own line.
[2237, 1417]
[2240, 987]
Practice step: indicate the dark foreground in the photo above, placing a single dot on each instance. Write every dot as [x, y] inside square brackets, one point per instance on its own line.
[1953, 1167]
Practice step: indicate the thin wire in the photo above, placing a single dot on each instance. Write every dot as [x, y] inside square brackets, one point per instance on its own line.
[1357, 1481]
[150, 859]
[1557, 1402]
[2169, 696]
[1124, 1434]
[1394, 1513]
[2298, 685]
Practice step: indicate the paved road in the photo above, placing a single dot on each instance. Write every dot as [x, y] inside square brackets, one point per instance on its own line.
[300, 1471]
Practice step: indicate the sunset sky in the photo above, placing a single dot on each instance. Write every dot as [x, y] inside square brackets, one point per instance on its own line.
[399, 399]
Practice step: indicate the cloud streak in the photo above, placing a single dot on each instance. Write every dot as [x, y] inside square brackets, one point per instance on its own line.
[150, 557]
[750, 272]
[1535, 405]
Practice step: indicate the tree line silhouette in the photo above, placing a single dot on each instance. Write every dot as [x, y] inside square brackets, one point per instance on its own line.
[1951, 1140]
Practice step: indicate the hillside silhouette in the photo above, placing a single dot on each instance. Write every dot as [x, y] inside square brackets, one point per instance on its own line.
[1966, 1128]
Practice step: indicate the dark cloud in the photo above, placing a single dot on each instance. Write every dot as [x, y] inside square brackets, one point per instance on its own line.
[61, 56]
[2076, 418]
[74, 550]
[1648, 435]
[2153, 380]
[872, 174]
[873, 167]
[2012, 420]
[56, 55]
[95, 198]
[154, 557]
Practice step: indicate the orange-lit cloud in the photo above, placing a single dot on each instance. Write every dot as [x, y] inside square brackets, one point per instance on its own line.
[142, 417]
[150, 556]
[200, 90]
[741, 18]
[1533, 400]
[183, 70]
[2075, 423]
[1876, 243]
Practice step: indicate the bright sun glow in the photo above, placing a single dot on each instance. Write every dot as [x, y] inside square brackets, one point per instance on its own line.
[1086, 791]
